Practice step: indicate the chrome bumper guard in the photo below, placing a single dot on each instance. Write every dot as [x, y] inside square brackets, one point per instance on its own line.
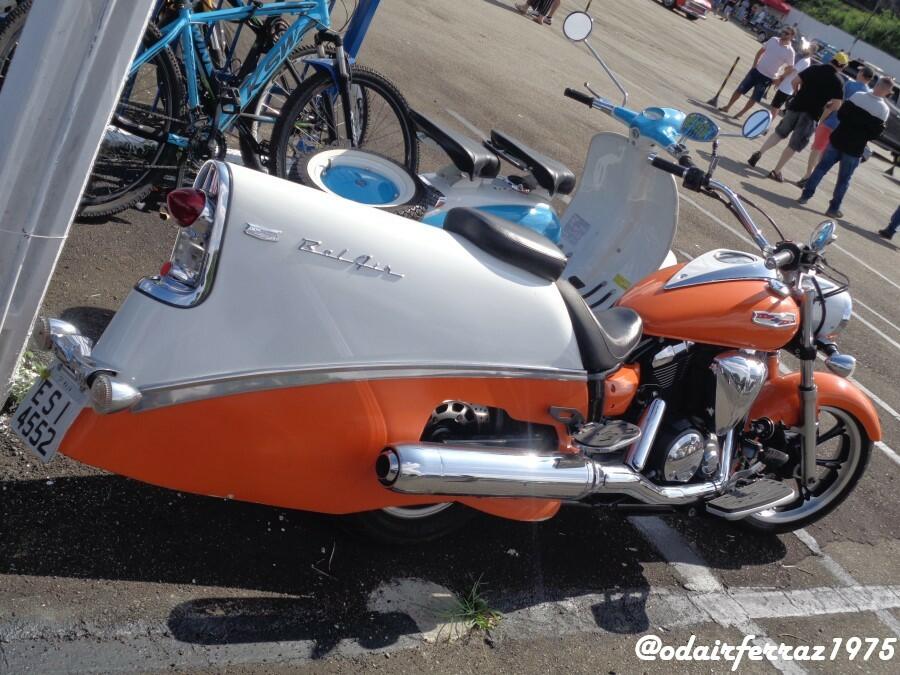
[107, 392]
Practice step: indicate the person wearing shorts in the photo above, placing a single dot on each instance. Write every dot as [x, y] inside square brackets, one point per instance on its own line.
[823, 132]
[785, 81]
[815, 87]
[770, 59]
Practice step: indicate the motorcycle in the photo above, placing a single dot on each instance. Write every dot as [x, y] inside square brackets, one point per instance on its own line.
[621, 221]
[303, 351]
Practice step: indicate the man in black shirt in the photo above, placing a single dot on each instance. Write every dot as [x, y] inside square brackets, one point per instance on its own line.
[814, 88]
[862, 118]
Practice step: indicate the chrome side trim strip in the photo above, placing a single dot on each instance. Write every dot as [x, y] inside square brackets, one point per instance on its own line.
[162, 395]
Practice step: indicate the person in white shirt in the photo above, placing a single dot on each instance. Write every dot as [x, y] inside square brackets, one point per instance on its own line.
[785, 80]
[770, 59]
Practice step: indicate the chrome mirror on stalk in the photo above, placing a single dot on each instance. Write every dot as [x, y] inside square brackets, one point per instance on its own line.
[699, 127]
[823, 235]
[578, 26]
[757, 124]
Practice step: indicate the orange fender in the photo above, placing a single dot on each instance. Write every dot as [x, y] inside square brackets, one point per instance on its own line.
[780, 400]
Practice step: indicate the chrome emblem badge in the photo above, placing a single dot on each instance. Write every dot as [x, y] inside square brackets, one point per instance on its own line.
[261, 233]
[360, 262]
[775, 319]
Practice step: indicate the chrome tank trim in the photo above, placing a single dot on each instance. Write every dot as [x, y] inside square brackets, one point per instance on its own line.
[168, 290]
[739, 379]
[473, 471]
[162, 395]
[718, 266]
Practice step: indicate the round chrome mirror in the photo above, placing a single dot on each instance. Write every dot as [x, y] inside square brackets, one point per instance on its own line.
[698, 127]
[578, 26]
[823, 235]
[757, 124]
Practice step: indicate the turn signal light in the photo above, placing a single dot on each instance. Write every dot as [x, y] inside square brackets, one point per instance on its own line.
[109, 395]
[186, 205]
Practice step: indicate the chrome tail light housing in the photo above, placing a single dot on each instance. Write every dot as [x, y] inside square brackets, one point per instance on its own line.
[187, 278]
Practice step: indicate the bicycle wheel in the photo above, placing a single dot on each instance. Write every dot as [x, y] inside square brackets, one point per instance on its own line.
[255, 138]
[313, 119]
[135, 154]
[10, 31]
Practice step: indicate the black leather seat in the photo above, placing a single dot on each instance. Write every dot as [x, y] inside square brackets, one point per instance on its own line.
[551, 175]
[469, 156]
[605, 339]
[509, 242]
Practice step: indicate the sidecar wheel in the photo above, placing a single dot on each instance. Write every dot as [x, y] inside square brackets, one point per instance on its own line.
[410, 524]
[842, 453]
[364, 177]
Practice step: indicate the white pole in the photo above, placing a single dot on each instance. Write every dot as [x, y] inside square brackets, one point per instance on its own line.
[58, 96]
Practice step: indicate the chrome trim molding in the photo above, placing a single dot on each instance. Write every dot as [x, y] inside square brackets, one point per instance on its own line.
[166, 394]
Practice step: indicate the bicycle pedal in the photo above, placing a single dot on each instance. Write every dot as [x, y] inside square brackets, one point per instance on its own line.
[230, 100]
[740, 502]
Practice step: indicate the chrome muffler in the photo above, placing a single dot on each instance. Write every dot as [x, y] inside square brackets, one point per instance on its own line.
[483, 471]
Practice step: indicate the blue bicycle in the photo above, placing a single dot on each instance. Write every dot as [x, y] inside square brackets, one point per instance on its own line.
[173, 116]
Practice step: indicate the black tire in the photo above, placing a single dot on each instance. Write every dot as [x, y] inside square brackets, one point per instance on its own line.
[10, 31]
[669, 4]
[413, 208]
[117, 182]
[385, 527]
[286, 80]
[858, 433]
[307, 115]
[691, 17]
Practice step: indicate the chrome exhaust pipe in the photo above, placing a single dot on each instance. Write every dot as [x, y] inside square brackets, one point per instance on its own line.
[483, 471]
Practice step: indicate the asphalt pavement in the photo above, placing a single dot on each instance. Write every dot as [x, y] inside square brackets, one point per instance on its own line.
[103, 574]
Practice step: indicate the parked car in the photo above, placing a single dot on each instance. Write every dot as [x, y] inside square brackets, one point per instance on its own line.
[693, 9]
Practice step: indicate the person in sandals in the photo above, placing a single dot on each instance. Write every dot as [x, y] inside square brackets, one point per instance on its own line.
[541, 11]
[815, 88]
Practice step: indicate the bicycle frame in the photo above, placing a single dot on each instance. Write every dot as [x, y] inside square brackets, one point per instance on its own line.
[312, 13]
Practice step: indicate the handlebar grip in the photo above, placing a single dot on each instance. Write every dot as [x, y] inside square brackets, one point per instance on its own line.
[670, 167]
[579, 96]
[783, 258]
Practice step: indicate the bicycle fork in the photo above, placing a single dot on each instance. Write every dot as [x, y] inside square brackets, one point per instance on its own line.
[343, 81]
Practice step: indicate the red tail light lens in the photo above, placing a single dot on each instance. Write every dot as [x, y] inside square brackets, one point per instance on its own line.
[186, 205]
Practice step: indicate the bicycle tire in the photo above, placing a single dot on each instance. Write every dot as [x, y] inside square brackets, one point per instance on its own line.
[154, 171]
[369, 83]
[248, 147]
[10, 30]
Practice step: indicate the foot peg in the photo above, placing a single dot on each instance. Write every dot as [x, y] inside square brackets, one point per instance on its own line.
[740, 502]
[605, 437]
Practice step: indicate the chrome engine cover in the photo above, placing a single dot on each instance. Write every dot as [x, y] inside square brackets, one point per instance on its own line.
[739, 379]
[684, 456]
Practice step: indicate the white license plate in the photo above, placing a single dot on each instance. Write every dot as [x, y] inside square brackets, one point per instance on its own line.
[47, 411]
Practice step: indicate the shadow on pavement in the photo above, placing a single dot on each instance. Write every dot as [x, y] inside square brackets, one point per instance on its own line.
[221, 621]
[776, 198]
[109, 527]
[504, 5]
[735, 166]
[871, 235]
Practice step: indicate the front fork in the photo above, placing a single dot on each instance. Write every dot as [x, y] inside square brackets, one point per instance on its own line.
[808, 393]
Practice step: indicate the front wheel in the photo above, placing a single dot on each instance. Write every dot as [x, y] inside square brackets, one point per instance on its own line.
[842, 453]
[410, 524]
[312, 120]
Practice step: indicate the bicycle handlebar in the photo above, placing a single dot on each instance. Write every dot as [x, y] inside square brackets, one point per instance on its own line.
[579, 96]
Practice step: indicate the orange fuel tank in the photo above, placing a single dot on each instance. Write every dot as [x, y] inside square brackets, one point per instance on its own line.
[740, 313]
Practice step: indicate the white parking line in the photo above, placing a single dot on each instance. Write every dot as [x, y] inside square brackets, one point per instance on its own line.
[724, 608]
[844, 577]
[890, 323]
[687, 564]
